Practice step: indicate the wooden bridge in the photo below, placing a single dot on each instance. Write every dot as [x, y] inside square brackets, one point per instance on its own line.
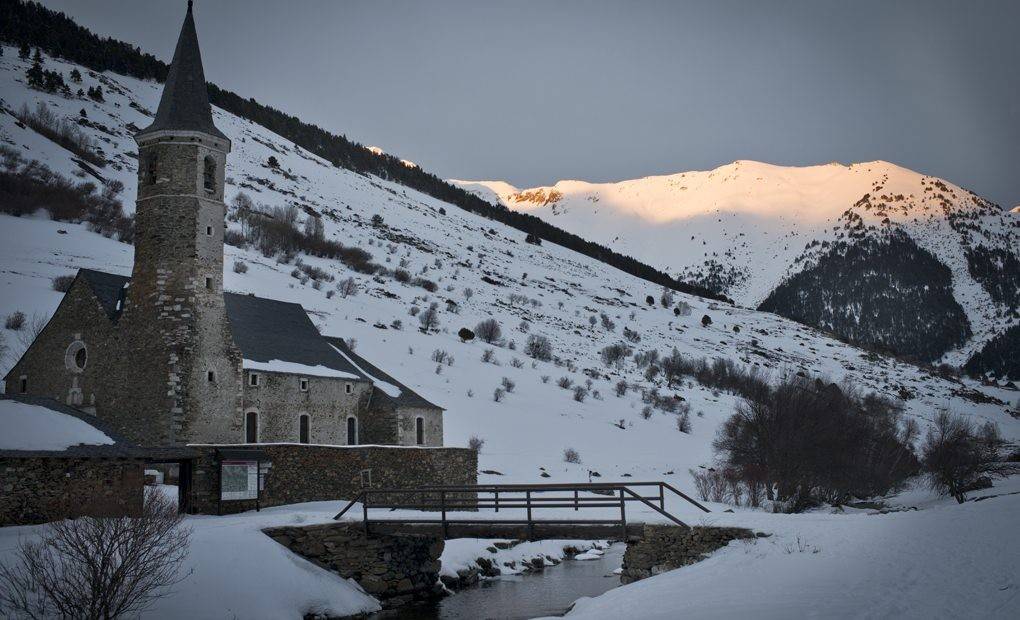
[530, 498]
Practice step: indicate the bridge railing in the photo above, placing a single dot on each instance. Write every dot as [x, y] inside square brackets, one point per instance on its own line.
[532, 498]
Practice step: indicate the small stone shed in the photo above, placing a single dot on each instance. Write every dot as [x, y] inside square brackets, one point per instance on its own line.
[57, 462]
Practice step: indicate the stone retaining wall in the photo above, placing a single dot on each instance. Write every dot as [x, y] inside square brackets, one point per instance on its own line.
[396, 569]
[42, 489]
[305, 473]
[667, 547]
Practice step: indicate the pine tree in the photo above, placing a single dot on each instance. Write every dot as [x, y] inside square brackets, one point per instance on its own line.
[24, 51]
[38, 56]
[75, 76]
[35, 76]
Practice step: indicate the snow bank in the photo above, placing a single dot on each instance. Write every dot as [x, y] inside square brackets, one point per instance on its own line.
[294, 368]
[461, 553]
[32, 427]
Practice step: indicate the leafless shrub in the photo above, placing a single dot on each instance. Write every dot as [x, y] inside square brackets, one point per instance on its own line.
[15, 321]
[240, 267]
[683, 422]
[440, 356]
[97, 568]
[62, 131]
[516, 363]
[476, 443]
[580, 393]
[958, 457]
[565, 382]
[489, 356]
[62, 284]
[538, 347]
[348, 287]
[508, 385]
[498, 394]
[571, 455]
[620, 389]
[614, 354]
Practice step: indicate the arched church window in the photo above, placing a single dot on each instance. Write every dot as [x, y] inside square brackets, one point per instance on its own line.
[251, 427]
[209, 173]
[419, 431]
[303, 429]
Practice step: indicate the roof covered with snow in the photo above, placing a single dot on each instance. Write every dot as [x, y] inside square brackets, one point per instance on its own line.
[278, 336]
[35, 426]
[389, 389]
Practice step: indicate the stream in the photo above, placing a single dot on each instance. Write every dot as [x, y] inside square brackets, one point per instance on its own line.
[517, 597]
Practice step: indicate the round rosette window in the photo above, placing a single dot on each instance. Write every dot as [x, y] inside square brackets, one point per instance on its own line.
[77, 356]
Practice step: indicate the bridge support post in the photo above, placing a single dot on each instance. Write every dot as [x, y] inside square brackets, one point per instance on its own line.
[623, 516]
[531, 524]
[442, 505]
[662, 497]
[576, 505]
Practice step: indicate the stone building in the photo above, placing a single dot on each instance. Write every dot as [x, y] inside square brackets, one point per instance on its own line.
[166, 357]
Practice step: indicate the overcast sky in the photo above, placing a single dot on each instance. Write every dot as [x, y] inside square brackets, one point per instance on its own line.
[533, 92]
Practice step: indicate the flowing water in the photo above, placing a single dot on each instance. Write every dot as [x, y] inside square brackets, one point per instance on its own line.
[516, 597]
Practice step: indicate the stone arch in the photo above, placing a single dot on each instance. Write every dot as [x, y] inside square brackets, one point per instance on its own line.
[251, 426]
[209, 173]
[352, 430]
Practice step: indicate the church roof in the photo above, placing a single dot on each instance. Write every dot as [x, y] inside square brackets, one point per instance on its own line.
[185, 101]
[387, 389]
[108, 289]
[267, 330]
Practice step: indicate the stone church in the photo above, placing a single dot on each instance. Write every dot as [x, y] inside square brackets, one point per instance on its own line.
[166, 357]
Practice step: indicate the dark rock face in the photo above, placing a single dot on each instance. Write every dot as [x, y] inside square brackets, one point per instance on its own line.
[883, 293]
[667, 547]
[396, 569]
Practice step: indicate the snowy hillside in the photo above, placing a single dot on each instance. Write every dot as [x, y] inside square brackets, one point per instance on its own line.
[745, 227]
[482, 269]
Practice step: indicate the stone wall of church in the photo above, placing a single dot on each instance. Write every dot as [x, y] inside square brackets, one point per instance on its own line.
[432, 419]
[306, 473]
[49, 366]
[279, 401]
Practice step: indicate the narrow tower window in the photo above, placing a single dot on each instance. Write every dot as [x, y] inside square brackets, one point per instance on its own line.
[150, 173]
[419, 431]
[352, 431]
[209, 173]
[303, 434]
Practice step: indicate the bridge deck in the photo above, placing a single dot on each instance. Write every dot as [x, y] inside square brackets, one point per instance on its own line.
[539, 530]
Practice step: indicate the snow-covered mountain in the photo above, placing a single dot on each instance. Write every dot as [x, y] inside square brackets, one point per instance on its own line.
[480, 269]
[747, 229]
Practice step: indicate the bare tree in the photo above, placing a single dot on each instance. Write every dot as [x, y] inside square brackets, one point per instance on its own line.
[429, 318]
[538, 347]
[347, 287]
[97, 568]
[488, 331]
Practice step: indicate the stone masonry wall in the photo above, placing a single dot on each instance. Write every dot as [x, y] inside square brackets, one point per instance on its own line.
[305, 473]
[433, 422]
[79, 318]
[668, 547]
[40, 489]
[279, 401]
[395, 569]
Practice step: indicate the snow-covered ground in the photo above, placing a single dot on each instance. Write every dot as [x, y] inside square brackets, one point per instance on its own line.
[944, 561]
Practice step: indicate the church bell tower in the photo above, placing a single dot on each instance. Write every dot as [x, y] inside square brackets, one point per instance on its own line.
[174, 322]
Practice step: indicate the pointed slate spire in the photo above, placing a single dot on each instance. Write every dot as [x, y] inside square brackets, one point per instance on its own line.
[185, 102]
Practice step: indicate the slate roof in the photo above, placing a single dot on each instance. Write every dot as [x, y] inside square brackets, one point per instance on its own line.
[108, 289]
[267, 329]
[407, 398]
[185, 101]
[121, 448]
